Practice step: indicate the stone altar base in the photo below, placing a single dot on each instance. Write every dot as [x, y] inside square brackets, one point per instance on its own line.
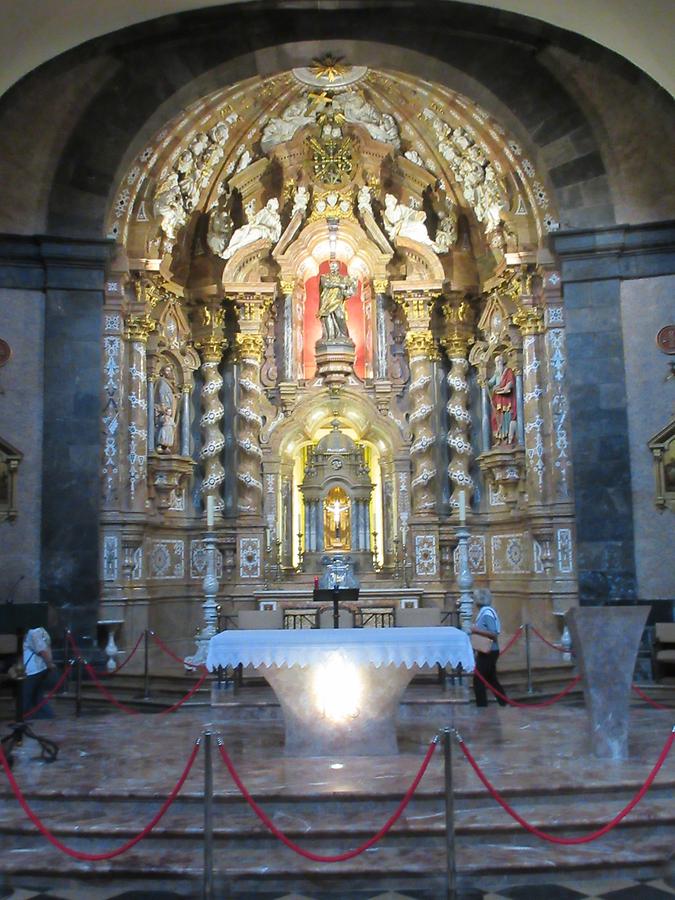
[114, 771]
[606, 641]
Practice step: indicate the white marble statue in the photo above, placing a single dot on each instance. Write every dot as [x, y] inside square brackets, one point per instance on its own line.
[357, 110]
[405, 221]
[446, 233]
[219, 231]
[364, 200]
[300, 201]
[282, 129]
[168, 206]
[263, 225]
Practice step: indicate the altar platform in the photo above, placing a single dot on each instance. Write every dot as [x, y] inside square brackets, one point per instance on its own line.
[114, 771]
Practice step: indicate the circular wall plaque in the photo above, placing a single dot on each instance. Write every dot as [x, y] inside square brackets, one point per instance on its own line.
[665, 339]
[5, 352]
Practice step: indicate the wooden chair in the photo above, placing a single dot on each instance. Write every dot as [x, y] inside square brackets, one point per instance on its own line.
[663, 649]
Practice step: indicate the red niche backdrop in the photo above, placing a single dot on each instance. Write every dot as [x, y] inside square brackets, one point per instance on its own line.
[356, 323]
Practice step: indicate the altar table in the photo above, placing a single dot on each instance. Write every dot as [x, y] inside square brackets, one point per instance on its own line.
[339, 689]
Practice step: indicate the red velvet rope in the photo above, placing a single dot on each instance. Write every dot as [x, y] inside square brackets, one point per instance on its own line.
[96, 857]
[571, 841]
[124, 661]
[169, 652]
[189, 694]
[543, 703]
[649, 699]
[512, 641]
[106, 693]
[49, 696]
[546, 641]
[316, 857]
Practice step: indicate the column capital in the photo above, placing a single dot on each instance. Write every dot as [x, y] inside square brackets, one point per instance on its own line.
[139, 327]
[287, 286]
[381, 285]
[211, 348]
[529, 319]
[250, 346]
[421, 343]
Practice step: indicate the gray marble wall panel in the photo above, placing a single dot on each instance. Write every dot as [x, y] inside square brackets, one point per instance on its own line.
[596, 264]
[21, 325]
[646, 306]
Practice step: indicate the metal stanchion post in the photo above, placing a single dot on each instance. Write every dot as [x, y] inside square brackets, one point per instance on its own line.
[451, 867]
[146, 666]
[207, 892]
[78, 687]
[528, 659]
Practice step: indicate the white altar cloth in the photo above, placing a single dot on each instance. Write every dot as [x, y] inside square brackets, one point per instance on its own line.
[375, 647]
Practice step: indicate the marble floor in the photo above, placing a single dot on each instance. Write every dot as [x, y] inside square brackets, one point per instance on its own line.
[113, 771]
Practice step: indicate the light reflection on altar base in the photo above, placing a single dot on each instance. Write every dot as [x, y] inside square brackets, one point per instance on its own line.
[366, 727]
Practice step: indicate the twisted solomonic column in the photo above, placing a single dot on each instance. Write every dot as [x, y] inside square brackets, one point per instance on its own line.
[213, 441]
[137, 331]
[250, 349]
[422, 352]
[456, 345]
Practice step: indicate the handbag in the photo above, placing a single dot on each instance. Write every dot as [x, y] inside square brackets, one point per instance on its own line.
[481, 644]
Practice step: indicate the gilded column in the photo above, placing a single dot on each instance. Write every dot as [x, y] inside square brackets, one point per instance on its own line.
[137, 330]
[422, 353]
[456, 343]
[211, 351]
[529, 319]
[252, 308]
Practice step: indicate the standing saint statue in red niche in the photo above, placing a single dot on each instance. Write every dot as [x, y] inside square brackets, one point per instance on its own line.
[503, 399]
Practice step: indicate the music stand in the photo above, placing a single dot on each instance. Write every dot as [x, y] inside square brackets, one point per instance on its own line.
[17, 619]
[334, 595]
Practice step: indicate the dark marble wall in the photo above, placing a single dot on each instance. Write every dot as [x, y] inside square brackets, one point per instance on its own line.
[594, 263]
[71, 276]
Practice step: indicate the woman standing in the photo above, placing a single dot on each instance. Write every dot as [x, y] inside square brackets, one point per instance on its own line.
[487, 625]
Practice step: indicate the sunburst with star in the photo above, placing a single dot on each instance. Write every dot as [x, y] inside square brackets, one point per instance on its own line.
[328, 68]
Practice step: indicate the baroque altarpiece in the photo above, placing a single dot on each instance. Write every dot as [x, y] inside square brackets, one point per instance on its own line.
[333, 309]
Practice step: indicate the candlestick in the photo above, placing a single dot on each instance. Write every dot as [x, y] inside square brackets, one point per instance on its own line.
[462, 507]
[210, 510]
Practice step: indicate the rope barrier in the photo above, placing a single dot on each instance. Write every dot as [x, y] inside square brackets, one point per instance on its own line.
[189, 694]
[546, 641]
[553, 839]
[97, 857]
[316, 857]
[49, 696]
[543, 703]
[124, 661]
[106, 693]
[169, 652]
[648, 699]
[515, 637]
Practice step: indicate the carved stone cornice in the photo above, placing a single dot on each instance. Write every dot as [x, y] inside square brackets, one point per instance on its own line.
[421, 343]
[250, 346]
[137, 328]
[529, 319]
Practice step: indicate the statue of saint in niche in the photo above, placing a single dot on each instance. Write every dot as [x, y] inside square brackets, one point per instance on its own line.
[335, 289]
[166, 410]
[503, 398]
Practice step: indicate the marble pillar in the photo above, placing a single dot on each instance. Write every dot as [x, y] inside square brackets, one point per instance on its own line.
[606, 640]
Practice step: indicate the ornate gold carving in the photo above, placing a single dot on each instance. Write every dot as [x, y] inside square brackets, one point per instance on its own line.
[213, 318]
[328, 67]
[417, 305]
[381, 285]
[139, 327]
[529, 319]
[331, 158]
[252, 307]
[457, 345]
[332, 205]
[249, 346]
[211, 348]
[151, 289]
[457, 314]
[287, 285]
[421, 343]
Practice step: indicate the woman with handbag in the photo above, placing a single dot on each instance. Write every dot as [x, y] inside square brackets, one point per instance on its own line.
[38, 666]
[484, 638]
